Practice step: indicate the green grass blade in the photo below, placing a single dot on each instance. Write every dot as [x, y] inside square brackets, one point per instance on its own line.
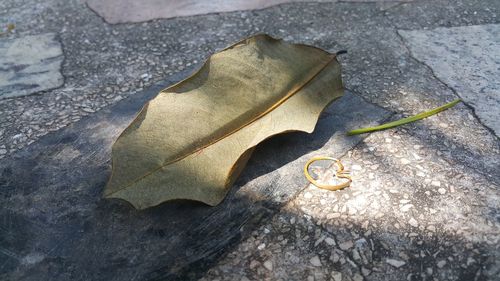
[404, 120]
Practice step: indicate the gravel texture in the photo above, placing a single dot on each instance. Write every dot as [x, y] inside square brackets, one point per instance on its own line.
[424, 204]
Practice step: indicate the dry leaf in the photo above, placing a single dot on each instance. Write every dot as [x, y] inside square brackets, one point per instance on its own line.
[194, 138]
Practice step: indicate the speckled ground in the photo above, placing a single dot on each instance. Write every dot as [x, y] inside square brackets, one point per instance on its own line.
[424, 204]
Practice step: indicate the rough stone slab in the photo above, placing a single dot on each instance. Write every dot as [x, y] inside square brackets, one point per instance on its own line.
[466, 58]
[30, 64]
[119, 11]
[54, 224]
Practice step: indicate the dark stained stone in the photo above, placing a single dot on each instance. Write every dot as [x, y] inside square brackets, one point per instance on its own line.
[55, 225]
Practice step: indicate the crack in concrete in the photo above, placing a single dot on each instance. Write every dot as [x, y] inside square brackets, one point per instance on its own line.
[435, 76]
[414, 58]
[453, 91]
[102, 18]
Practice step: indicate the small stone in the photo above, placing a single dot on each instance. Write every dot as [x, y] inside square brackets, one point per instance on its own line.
[319, 241]
[356, 167]
[315, 261]
[441, 263]
[413, 222]
[441, 190]
[404, 256]
[308, 195]
[88, 109]
[406, 207]
[357, 277]
[337, 276]
[436, 183]
[355, 255]
[332, 215]
[343, 209]
[334, 257]
[330, 241]
[268, 265]
[261, 247]
[292, 220]
[365, 271]
[405, 161]
[395, 263]
[254, 264]
[346, 245]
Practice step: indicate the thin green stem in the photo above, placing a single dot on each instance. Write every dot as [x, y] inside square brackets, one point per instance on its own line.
[404, 120]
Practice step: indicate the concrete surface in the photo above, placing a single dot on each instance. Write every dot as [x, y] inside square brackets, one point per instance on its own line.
[467, 59]
[29, 65]
[57, 226]
[120, 11]
[424, 202]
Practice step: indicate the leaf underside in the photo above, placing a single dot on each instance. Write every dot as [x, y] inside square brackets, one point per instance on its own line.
[194, 138]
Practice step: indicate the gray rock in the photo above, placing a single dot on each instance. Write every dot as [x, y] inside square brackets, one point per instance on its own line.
[30, 64]
[395, 263]
[268, 265]
[315, 261]
[466, 58]
[337, 276]
[346, 245]
[119, 11]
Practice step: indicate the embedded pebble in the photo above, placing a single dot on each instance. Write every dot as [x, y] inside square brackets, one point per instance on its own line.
[315, 261]
[337, 276]
[346, 245]
[436, 183]
[268, 265]
[356, 167]
[406, 207]
[413, 222]
[357, 277]
[395, 263]
[330, 241]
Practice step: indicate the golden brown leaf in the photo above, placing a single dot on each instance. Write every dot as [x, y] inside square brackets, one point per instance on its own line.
[195, 137]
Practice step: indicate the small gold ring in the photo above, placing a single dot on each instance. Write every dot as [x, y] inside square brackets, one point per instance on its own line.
[339, 174]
